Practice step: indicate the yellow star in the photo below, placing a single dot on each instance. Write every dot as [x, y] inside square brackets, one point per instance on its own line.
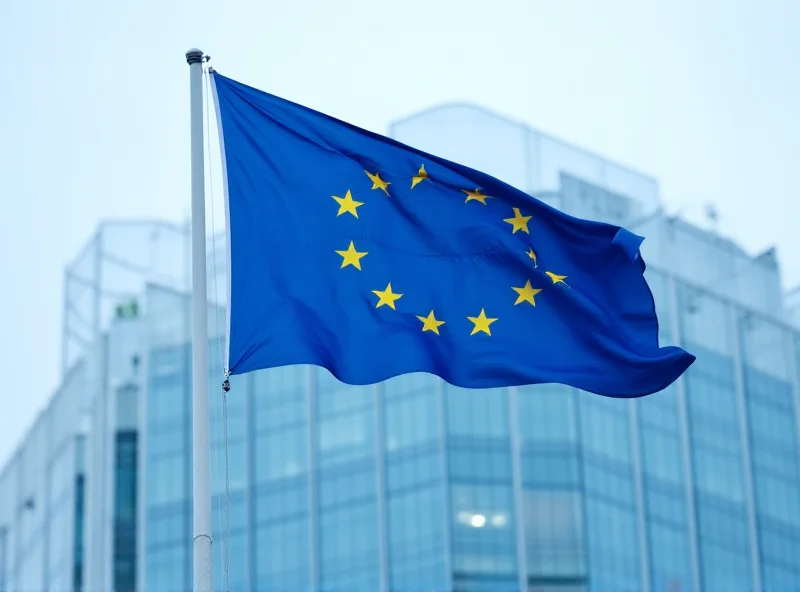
[526, 294]
[519, 222]
[347, 204]
[556, 278]
[532, 255]
[386, 296]
[378, 183]
[419, 177]
[430, 323]
[351, 257]
[476, 195]
[481, 323]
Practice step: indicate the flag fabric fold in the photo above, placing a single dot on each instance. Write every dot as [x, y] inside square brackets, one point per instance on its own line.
[351, 251]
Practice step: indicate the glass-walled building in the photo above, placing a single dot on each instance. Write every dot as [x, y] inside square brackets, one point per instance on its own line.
[413, 485]
[417, 485]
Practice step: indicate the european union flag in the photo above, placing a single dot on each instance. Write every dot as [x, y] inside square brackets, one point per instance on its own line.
[354, 252]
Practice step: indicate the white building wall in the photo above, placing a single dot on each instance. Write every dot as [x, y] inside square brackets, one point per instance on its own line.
[99, 477]
[29, 556]
[64, 414]
[9, 503]
[37, 497]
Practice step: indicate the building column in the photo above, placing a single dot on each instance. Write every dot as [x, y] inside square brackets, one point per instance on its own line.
[311, 442]
[249, 385]
[686, 444]
[444, 468]
[516, 483]
[638, 487]
[744, 430]
[380, 486]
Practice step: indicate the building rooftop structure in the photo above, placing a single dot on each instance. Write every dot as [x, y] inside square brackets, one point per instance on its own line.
[590, 186]
[523, 156]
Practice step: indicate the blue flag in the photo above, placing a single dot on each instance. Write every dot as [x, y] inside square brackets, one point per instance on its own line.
[354, 252]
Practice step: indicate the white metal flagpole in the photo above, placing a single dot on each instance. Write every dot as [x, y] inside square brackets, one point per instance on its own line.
[201, 443]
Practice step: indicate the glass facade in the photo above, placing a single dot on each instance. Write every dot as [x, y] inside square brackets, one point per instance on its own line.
[414, 485]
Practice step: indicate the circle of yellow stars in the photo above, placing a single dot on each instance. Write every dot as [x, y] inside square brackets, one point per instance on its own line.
[351, 257]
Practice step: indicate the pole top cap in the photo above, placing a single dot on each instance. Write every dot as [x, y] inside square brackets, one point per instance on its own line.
[194, 56]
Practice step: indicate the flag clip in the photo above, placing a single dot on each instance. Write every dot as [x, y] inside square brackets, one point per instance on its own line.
[226, 384]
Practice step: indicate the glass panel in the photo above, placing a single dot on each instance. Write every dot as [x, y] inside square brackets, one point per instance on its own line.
[282, 555]
[554, 536]
[613, 545]
[547, 413]
[476, 413]
[483, 532]
[410, 420]
[416, 539]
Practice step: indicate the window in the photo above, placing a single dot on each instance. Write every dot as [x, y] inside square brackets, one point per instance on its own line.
[547, 413]
[669, 558]
[282, 556]
[476, 413]
[124, 537]
[605, 427]
[410, 420]
[613, 545]
[554, 536]
[483, 526]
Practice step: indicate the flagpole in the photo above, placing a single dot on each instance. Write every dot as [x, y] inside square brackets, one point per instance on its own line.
[201, 444]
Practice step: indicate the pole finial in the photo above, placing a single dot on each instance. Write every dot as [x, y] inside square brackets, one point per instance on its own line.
[194, 56]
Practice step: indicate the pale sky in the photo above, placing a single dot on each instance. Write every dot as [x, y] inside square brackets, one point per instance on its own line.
[702, 94]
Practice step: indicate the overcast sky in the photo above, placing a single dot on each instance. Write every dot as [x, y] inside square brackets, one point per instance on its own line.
[704, 95]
